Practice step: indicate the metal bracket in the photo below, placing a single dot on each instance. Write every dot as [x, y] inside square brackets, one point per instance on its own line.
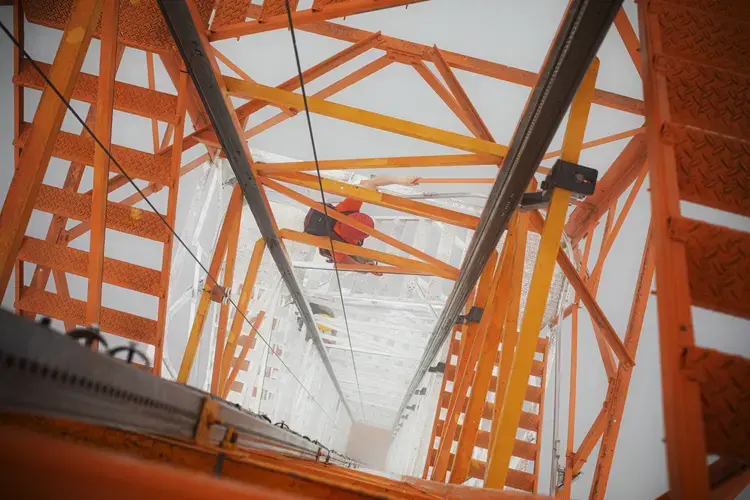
[579, 180]
[438, 368]
[474, 316]
[220, 294]
[575, 178]
[208, 417]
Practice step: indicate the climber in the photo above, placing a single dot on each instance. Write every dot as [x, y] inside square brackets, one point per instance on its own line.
[317, 224]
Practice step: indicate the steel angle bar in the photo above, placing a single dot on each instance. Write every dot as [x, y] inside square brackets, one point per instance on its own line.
[196, 54]
[578, 39]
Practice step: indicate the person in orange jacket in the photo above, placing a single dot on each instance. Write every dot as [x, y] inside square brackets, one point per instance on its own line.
[316, 223]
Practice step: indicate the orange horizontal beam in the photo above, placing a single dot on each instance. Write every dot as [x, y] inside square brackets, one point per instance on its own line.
[381, 199]
[129, 326]
[366, 268]
[248, 90]
[358, 225]
[455, 160]
[300, 18]
[120, 217]
[73, 261]
[80, 148]
[128, 98]
[395, 260]
[457, 61]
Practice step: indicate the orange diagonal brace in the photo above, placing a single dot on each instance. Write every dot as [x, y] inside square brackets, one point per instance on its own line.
[382, 199]
[629, 38]
[455, 160]
[394, 260]
[300, 18]
[469, 353]
[358, 225]
[206, 133]
[621, 383]
[235, 205]
[245, 294]
[234, 236]
[103, 131]
[32, 166]
[606, 329]
[346, 82]
[359, 116]
[479, 128]
[248, 341]
[590, 440]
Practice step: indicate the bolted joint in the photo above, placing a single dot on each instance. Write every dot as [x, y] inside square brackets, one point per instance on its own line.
[219, 294]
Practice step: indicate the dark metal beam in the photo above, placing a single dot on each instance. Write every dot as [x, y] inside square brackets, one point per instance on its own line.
[196, 53]
[581, 32]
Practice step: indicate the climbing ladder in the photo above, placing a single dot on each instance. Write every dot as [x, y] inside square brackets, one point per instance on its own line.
[530, 421]
[697, 83]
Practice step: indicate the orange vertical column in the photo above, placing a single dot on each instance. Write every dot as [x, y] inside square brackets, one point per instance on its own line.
[103, 130]
[166, 258]
[18, 107]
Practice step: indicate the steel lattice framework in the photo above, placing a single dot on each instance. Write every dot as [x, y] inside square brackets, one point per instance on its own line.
[473, 413]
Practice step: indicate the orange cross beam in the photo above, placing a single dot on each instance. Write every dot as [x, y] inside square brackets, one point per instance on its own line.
[381, 199]
[240, 88]
[300, 18]
[323, 242]
[454, 160]
[358, 225]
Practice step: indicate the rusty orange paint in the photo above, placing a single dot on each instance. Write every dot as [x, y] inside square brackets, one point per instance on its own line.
[246, 344]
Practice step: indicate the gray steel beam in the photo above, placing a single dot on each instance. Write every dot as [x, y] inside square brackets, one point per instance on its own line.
[581, 32]
[196, 53]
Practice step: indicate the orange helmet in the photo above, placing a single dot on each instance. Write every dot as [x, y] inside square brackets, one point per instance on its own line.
[353, 235]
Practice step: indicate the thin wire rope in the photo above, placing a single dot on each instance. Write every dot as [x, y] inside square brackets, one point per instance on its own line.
[151, 205]
[323, 196]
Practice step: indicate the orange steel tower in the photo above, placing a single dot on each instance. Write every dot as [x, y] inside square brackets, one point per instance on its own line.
[490, 352]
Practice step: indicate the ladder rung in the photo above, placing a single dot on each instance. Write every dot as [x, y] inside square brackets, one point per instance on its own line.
[517, 479]
[718, 262]
[725, 385]
[73, 261]
[113, 321]
[712, 169]
[80, 148]
[131, 220]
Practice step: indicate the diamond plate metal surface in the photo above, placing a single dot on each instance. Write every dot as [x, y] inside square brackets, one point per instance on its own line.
[711, 40]
[230, 12]
[725, 394]
[712, 169]
[141, 23]
[70, 260]
[733, 9]
[120, 217]
[128, 98]
[718, 260]
[706, 97]
[276, 8]
[80, 148]
[116, 322]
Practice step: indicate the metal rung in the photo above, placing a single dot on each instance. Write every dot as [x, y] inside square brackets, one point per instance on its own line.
[73, 261]
[718, 262]
[116, 322]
